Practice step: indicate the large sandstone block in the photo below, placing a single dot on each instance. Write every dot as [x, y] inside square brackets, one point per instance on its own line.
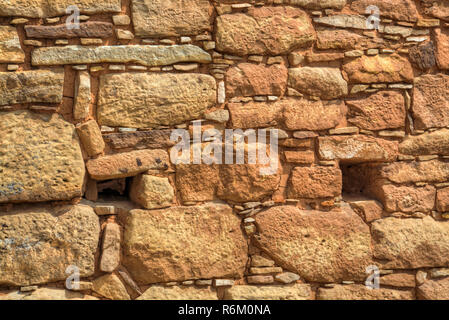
[41, 158]
[436, 8]
[380, 68]
[379, 111]
[411, 243]
[269, 292]
[171, 18]
[434, 290]
[256, 114]
[178, 293]
[10, 49]
[326, 83]
[45, 8]
[319, 4]
[31, 86]
[442, 46]
[361, 292]
[45, 294]
[319, 246]
[431, 101]
[342, 39]
[184, 243]
[416, 171]
[156, 99]
[247, 79]
[145, 55]
[357, 148]
[408, 199]
[93, 29]
[436, 142]
[315, 182]
[258, 30]
[402, 10]
[38, 244]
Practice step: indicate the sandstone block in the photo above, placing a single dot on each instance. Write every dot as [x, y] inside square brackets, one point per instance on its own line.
[443, 200]
[434, 290]
[83, 96]
[152, 192]
[315, 182]
[110, 256]
[153, 139]
[111, 287]
[442, 48]
[10, 49]
[94, 29]
[408, 199]
[178, 293]
[320, 4]
[361, 292]
[269, 292]
[436, 142]
[402, 10]
[45, 294]
[90, 136]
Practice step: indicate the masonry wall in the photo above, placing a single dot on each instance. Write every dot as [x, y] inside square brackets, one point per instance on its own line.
[88, 184]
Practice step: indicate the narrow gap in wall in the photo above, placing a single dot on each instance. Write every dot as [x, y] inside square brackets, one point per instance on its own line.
[114, 190]
[354, 181]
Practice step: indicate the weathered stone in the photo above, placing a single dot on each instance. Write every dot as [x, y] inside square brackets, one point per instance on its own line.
[411, 243]
[442, 48]
[326, 83]
[39, 243]
[127, 164]
[258, 30]
[154, 139]
[94, 29]
[343, 39]
[403, 10]
[379, 68]
[247, 79]
[10, 49]
[379, 111]
[145, 55]
[157, 99]
[319, 246]
[90, 136]
[110, 256]
[343, 21]
[303, 114]
[83, 96]
[184, 243]
[45, 294]
[315, 182]
[423, 55]
[434, 290]
[260, 279]
[299, 157]
[357, 148]
[436, 142]
[361, 292]
[369, 210]
[31, 86]
[178, 293]
[111, 287]
[269, 292]
[320, 4]
[436, 8]
[187, 177]
[286, 277]
[162, 18]
[44, 9]
[256, 114]
[407, 199]
[151, 192]
[417, 171]
[41, 160]
[406, 280]
[431, 101]
[443, 200]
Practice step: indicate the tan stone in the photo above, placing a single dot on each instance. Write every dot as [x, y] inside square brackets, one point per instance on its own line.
[257, 31]
[442, 48]
[370, 210]
[299, 157]
[91, 138]
[152, 139]
[442, 202]
[431, 101]
[379, 68]
[10, 49]
[256, 114]
[344, 40]
[379, 111]
[434, 290]
[187, 177]
[436, 142]
[402, 10]
[411, 172]
[41, 160]
[319, 246]
[408, 199]
[110, 256]
[43, 8]
[319, 4]
[122, 165]
[184, 243]
[178, 293]
[111, 287]
[411, 243]
[326, 83]
[269, 292]
[151, 192]
[83, 98]
[247, 79]
[158, 99]
[159, 18]
[31, 86]
[315, 182]
[39, 243]
[361, 292]
[45, 294]
[437, 8]
[357, 148]
[398, 280]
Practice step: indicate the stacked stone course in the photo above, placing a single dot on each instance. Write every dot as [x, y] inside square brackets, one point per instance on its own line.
[87, 179]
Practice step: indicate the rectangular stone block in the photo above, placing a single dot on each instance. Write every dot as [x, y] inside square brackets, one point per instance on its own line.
[10, 49]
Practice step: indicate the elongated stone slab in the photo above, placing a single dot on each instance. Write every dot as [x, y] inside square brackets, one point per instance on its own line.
[31, 86]
[143, 100]
[145, 55]
[153, 139]
[94, 29]
[46, 8]
[10, 49]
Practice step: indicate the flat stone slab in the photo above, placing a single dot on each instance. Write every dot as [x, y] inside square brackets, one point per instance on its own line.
[94, 29]
[10, 49]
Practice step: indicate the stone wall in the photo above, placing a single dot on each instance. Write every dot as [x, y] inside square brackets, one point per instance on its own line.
[88, 184]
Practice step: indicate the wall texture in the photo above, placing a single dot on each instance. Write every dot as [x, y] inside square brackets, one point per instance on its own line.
[87, 184]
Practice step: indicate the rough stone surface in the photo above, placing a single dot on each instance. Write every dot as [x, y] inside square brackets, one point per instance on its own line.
[361, 292]
[258, 30]
[86, 30]
[10, 49]
[162, 18]
[41, 160]
[38, 244]
[151, 192]
[411, 243]
[402, 10]
[411, 172]
[158, 99]
[178, 293]
[90, 136]
[269, 292]
[110, 286]
[443, 200]
[442, 48]
[83, 96]
[408, 199]
[436, 142]
[110, 257]
[434, 290]
[319, 246]
[153, 139]
[184, 243]
[315, 182]
[45, 294]
[322, 4]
